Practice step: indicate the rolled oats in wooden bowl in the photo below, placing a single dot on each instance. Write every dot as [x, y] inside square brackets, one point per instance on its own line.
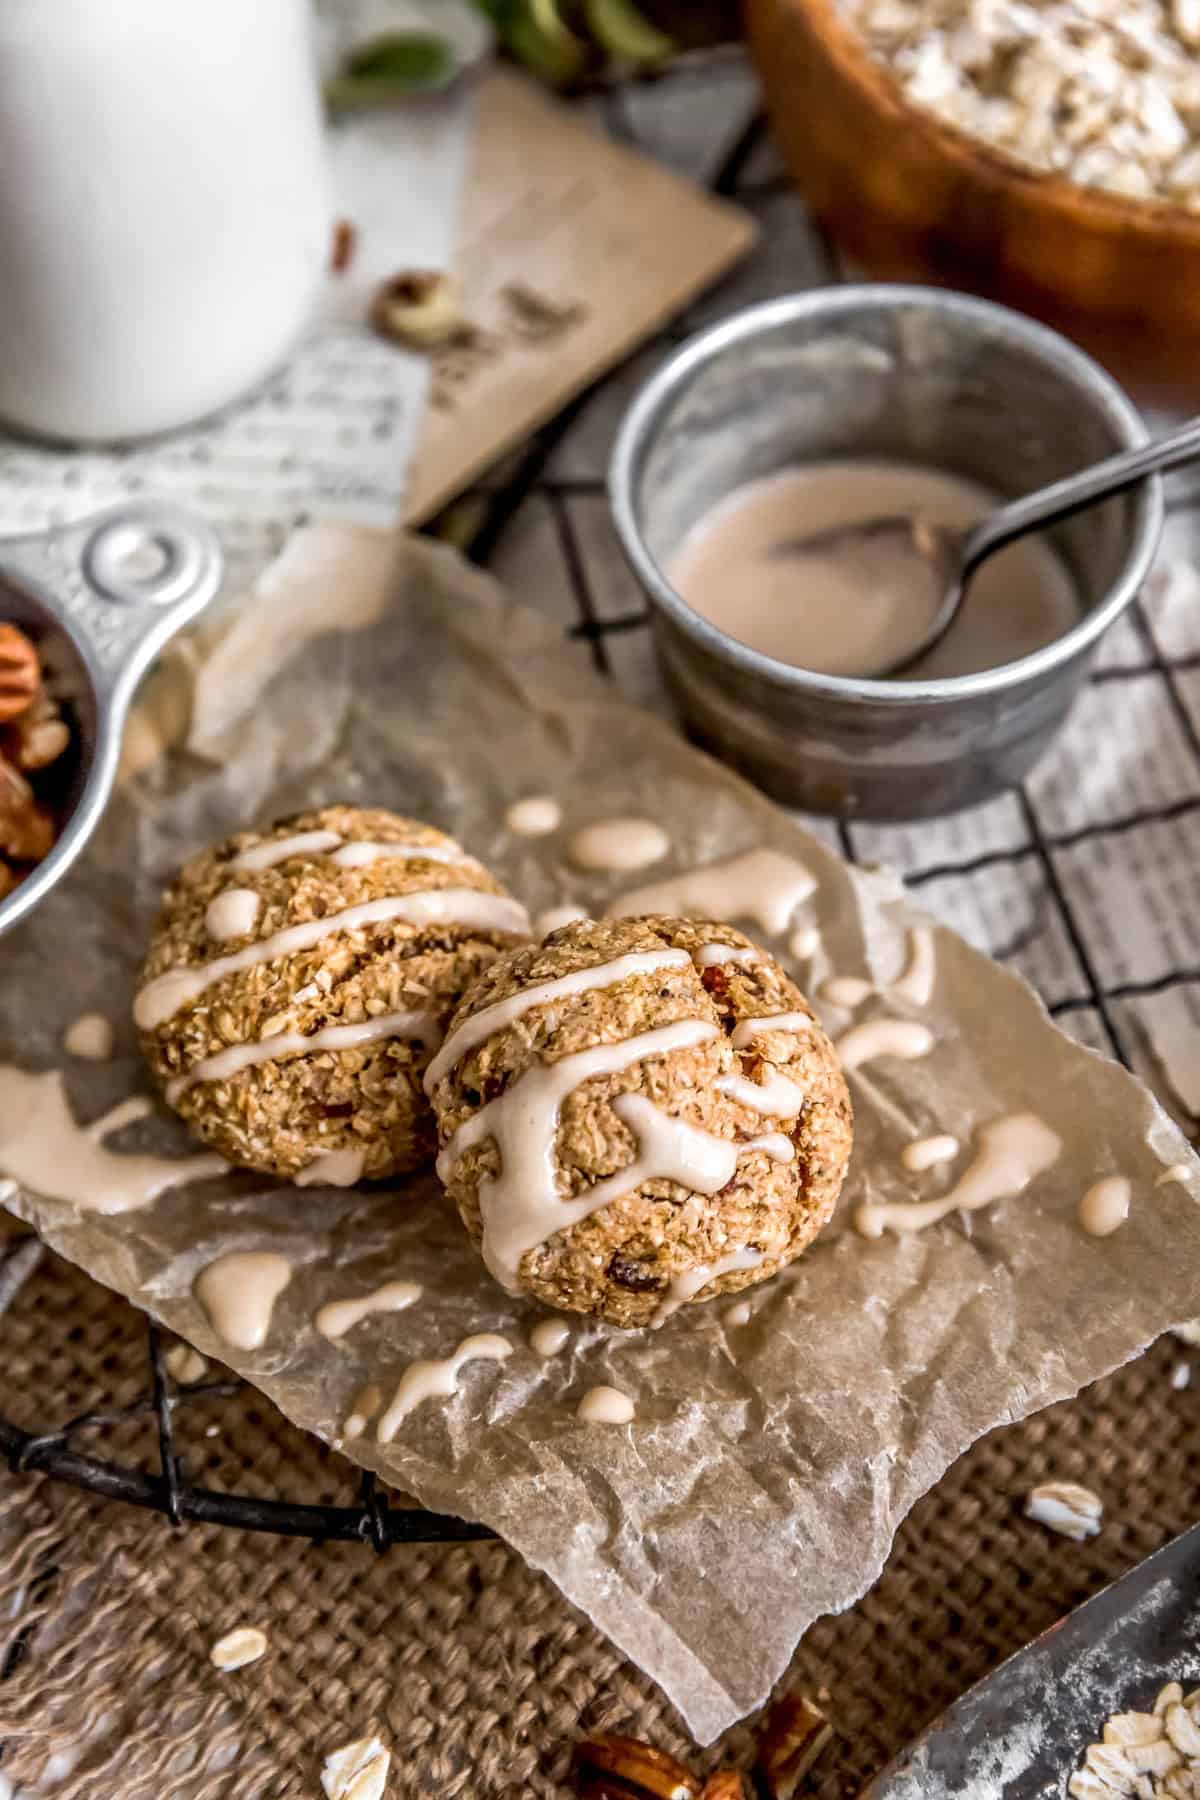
[1046, 155]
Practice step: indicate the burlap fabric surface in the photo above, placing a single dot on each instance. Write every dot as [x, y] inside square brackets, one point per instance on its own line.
[472, 1667]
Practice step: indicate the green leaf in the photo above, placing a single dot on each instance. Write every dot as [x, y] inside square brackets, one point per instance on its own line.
[623, 31]
[389, 68]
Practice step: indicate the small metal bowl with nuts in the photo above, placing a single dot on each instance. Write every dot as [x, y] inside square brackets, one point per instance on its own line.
[84, 609]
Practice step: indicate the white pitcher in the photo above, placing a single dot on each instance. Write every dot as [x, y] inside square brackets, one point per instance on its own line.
[164, 216]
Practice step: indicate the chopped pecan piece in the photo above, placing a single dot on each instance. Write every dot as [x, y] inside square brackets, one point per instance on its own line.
[37, 739]
[793, 1737]
[20, 672]
[726, 1784]
[611, 1767]
[26, 828]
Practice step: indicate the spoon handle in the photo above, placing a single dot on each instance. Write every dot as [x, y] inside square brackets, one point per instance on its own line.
[1075, 492]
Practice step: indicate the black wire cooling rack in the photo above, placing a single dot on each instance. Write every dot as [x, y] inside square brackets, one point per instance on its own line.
[373, 1521]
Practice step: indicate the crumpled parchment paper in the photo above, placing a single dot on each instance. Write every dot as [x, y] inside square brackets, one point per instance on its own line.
[769, 1463]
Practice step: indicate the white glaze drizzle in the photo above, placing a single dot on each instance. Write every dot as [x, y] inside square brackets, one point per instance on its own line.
[773, 1144]
[332, 1168]
[1012, 1151]
[365, 1404]
[89, 1036]
[126, 1112]
[420, 1026]
[928, 1152]
[775, 1098]
[1176, 1172]
[749, 1029]
[549, 1336]
[425, 1380]
[360, 853]
[337, 1317]
[1105, 1206]
[521, 1206]
[231, 914]
[162, 997]
[686, 1287]
[883, 1037]
[712, 955]
[605, 1406]
[238, 1291]
[555, 917]
[43, 1148]
[535, 816]
[804, 943]
[673, 1149]
[763, 885]
[847, 991]
[301, 843]
[497, 1017]
[916, 983]
[618, 846]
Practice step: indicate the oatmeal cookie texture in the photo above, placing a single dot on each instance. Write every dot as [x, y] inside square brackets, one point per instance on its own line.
[630, 1121]
[299, 979]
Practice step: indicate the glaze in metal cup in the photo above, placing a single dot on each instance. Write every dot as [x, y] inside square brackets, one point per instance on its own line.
[918, 375]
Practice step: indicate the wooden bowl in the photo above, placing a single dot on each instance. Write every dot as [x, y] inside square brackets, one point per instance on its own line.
[911, 198]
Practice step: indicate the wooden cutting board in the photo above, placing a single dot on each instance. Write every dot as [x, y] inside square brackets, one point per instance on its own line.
[572, 250]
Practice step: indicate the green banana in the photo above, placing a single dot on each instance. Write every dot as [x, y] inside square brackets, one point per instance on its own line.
[619, 28]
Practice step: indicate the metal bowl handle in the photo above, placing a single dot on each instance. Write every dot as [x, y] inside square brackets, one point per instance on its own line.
[120, 583]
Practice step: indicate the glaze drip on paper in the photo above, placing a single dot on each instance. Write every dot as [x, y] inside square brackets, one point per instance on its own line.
[765, 886]
[238, 1291]
[429, 1380]
[337, 1317]
[618, 846]
[1013, 1151]
[43, 1149]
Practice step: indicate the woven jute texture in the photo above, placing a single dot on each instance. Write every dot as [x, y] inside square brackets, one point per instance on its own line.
[473, 1668]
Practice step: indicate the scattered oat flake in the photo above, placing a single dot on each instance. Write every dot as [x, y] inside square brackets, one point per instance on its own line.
[357, 1771]
[1065, 1507]
[1145, 1755]
[1181, 1375]
[237, 1648]
[186, 1365]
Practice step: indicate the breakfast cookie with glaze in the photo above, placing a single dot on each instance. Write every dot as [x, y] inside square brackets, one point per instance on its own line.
[639, 1113]
[300, 978]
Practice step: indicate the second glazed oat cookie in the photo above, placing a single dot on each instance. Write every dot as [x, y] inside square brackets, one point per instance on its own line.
[637, 1113]
[299, 979]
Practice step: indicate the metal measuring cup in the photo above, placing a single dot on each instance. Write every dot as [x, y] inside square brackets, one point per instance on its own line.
[908, 374]
[101, 597]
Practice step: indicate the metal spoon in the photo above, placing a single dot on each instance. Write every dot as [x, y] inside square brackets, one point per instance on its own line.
[951, 557]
